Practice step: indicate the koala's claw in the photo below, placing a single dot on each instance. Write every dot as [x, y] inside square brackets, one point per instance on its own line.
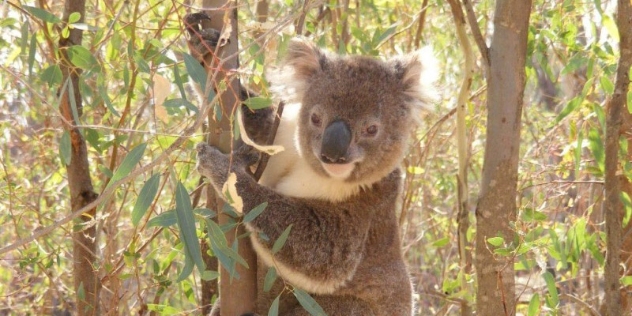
[192, 22]
[201, 41]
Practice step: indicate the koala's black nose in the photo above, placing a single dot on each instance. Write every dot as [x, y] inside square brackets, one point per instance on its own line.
[336, 140]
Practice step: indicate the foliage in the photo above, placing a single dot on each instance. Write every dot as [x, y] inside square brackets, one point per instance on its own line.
[137, 103]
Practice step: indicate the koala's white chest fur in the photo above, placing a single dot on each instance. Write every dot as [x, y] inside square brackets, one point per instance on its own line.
[289, 174]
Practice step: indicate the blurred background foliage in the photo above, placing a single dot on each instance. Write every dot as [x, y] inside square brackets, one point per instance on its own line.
[135, 92]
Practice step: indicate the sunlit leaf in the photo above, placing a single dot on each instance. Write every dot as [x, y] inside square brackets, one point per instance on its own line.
[496, 241]
[257, 103]
[74, 17]
[610, 25]
[534, 305]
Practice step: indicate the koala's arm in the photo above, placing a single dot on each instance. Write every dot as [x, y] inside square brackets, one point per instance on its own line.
[326, 240]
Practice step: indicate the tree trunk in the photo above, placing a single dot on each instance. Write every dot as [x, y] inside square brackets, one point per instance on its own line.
[613, 207]
[496, 207]
[237, 296]
[86, 282]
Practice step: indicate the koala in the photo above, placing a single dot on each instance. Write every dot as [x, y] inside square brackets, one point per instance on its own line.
[345, 129]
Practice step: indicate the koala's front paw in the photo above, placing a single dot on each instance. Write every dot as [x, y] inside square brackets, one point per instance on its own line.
[212, 164]
[201, 41]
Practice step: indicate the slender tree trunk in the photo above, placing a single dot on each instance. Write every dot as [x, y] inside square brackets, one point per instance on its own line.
[86, 282]
[463, 219]
[496, 207]
[613, 206]
[237, 296]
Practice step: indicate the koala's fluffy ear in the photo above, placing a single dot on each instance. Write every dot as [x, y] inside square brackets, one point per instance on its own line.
[418, 74]
[302, 62]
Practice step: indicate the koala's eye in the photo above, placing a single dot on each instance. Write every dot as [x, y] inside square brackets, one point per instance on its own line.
[371, 130]
[316, 120]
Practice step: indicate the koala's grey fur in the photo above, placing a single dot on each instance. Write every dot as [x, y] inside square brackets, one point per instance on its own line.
[344, 247]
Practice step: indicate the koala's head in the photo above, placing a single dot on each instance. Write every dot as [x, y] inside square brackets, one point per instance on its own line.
[356, 112]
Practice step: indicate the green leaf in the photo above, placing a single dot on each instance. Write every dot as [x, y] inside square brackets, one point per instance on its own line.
[255, 212]
[209, 275]
[188, 266]
[554, 299]
[42, 14]
[441, 242]
[308, 303]
[81, 57]
[271, 276]
[596, 147]
[627, 207]
[569, 108]
[606, 85]
[32, 52]
[195, 70]
[257, 103]
[534, 305]
[74, 17]
[274, 308]
[145, 197]
[226, 255]
[496, 241]
[164, 219]
[281, 240]
[65, 148]
[610, 25]
[626, 280]
[130, 160]
[106, 99]
[186, 224]
[52, 76]
[176, 103]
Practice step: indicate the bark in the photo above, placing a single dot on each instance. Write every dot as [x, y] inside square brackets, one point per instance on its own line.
[237, 296]
[496, 207]
[613, 205]
[86, 281]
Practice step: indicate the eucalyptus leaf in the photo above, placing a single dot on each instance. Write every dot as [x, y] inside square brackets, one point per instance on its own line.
[278, 244]
[65, 148]
[145, 197]
[308, 303]
[186, 225]
[255, 212]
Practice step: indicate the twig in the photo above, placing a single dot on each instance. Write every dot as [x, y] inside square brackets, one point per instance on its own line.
[265, 157]
[476, 32]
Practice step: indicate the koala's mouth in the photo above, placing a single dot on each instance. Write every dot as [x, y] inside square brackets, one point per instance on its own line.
[338, 170]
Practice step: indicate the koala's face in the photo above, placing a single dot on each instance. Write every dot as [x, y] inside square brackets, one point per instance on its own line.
[356, 113]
